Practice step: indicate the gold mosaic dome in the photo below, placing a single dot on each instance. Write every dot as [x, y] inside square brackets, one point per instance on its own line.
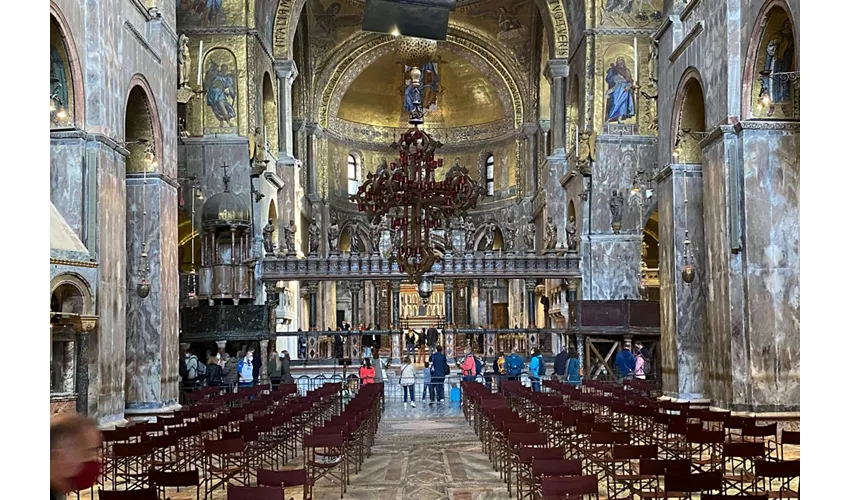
[226, 209]
[415, 51]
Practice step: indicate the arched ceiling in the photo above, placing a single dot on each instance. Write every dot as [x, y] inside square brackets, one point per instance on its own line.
[468, 96]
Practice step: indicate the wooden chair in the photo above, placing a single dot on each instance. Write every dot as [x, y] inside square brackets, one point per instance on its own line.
[130, 464]
[739, 459]
[225, 461]
[685, 485]
[283, 479]
[146, 494]
[777, 478]
[788, 438]
[160, 480]
[572, 488]
[324, 456]
[254, 493]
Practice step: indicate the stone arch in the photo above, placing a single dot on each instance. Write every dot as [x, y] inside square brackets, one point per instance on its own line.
[750, 82]
[77, 88]
[73, 292]
[269, 109]
[140, 101]
[688, 124]
[344, 68]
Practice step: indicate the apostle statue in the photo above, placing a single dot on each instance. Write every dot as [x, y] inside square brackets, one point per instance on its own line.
[448, 236]
[184, 62]
[572, 239]
[551, 236]
[314, 234]
[616, 205]
[510, 233]
[586, 148]
[375, 231]
[268, 237]
[289, 236]
[528, 235]
[354, 239]
[470, 236]
[333, 236]
[489, 235]
[258, 148]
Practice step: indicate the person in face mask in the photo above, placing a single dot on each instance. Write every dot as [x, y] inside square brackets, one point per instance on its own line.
[74, 462]
[246, 370]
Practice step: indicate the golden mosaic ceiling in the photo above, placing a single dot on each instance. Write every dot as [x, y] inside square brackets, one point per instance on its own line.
[467, 98]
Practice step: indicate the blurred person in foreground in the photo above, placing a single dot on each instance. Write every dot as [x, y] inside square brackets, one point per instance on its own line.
[74, 461]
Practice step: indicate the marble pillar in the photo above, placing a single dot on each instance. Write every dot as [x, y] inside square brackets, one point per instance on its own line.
[529, 137]
[264, 356]
[557, 71]
[448, 287]
[287, 165]
[69, 368]
[221, 345]
[152, 355]
[396, 287]
[516, 300]
[355, 288]
[486, 287]
[82, 367]
[683, 320]
[530, 304]
[461, 305]
[314, 133]
[312, 291]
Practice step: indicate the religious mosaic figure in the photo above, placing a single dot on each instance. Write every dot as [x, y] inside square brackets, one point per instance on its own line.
[489, 235]
[333, 236]
[507, 20]
[220, 85]
[551, 236]
[268, 237]
[313, 233]
[184, 62]
[289, 236]
[429, 85]
[528, 235]
[778, 59]
[616, 205]
[620, 101]
[572, 239]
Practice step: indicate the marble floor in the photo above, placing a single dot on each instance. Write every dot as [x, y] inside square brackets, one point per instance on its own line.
[422, 453]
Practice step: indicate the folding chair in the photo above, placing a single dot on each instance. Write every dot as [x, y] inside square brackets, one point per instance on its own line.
[160, 480]
[543, 469]
[225, 460]
[130, 464]
[739, 459]
[621, 477]
[685, 485]
[572, 488]
[254, 493]
[788, 438]
[282, 478]
[324, 456]
[777, 478]
[147, 494]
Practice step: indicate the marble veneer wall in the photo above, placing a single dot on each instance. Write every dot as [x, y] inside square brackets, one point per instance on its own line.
[683, 317]
[611, 262]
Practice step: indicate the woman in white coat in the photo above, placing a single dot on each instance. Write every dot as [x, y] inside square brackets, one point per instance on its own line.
[407, 379]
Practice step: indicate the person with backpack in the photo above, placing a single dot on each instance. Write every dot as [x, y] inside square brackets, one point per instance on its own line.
[573, 368]
[467, 367]
[561, 361]
[513, 366]
[191, 380]
[230, 371]
[537, 369]
[625, 362]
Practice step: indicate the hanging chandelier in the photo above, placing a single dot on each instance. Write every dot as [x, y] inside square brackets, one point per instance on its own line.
[407, 193]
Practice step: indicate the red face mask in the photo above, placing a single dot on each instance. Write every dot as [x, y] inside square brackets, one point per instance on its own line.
[87, 476]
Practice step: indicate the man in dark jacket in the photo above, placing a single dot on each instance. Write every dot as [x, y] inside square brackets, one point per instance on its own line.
[625, 362]
[439, 370]
[230, 371]
[273, 369]
[561, 363]
[432, 338]
[285, 369]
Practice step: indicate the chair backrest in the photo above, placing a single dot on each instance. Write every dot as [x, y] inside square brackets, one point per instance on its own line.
[609, 437]
[791, 437]
[254, 493]
[323, 440]
[743, 450]
[528, 453]
[785, 469]
[283, 478]
[149, 494]
[559, 467]
[630, 452]
[760, 431]
[653, 467]
[224, 446]
[573, 486]
[691, 483]
[175, 479]
[733, 497]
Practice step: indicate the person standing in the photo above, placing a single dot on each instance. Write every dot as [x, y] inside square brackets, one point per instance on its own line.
[410, 343]
[422, 341]
[302, 345]
[439, 370]
[214, 372]
[560, 367]
[74, 454]
[191, 380]
[573, 368]
[273, 369]
[640, 363]
[432, 338]
[286, 369]
[467, 367]
[536, 369]
[625, 362]
[426, 384]
[367, 372]
[245, 368]
[230, 371]
[499, 369]
[407, 379]
[513, 366]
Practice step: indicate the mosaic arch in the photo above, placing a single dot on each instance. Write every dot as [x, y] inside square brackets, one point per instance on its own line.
[141, 121]
[770, 91]
[66, 87]
[553, 13]
[334, 85]
[688, 116]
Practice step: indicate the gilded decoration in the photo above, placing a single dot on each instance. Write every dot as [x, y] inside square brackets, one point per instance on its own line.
[775, 86]
[211, 13]
[61, 84]
[617, 101]
[454, 135]
[219, 84]
[558, 19]
[630, 13]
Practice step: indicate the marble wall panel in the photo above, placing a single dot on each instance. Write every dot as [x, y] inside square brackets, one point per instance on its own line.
[614, 267]
[618, 159]
[669, 350]
[109, 341]
[67, 181]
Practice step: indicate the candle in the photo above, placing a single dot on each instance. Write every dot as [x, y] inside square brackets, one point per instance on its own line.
[200, 61]
[635, 76]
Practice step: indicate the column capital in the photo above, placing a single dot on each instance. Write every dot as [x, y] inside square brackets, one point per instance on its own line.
[488, 283]
[529, 130]
[557, 68]
[311, 286]
[396, 286]
[221, 344]
[355, 286]
[530, 285]
[286, 69]
[449, 285]
[314, 129]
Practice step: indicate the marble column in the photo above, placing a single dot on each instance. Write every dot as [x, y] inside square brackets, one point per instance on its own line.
[82, 368]
[264, 353]
[314, 133]
[287, 165]
[683, 321]
[557, 71]
[312, 291]
[530, 303]
[487, 286]
[221, 345]
[355, 287]
[461, 306]
[572, 290]
[448, 287]
[529, 136]
[152, 358]
[396, 287]
[69, 371]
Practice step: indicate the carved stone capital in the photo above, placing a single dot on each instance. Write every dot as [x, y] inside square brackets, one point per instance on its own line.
[88, 323]
[286, 70]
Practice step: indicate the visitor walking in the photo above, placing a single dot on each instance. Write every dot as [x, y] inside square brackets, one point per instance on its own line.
[74, 454]
[573, 368]
[286, 369]
[439, 370]
[367, 372]
[537, 369]
[230, 371]
[273, 369]
[407, 379]
[560, 367]
[625, 362]
[467, 367]
[410, 343]
[214, 372]
[426, 384]
[246, 370]
[498, 370]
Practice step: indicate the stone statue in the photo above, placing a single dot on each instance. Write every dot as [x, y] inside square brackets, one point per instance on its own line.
[314, 233]
[354, 247]
[586, 147]
[653, 62]
[333, 236]
[448, 236]
[616, 205]
[259, 148]
[510, 234]
[375, 231]
[551, 236]
[268, 237]
[528, 235]
[470, 236]
[489, 235]
[572, 240]
[397, 237]
[289, 236]
[184, 62]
